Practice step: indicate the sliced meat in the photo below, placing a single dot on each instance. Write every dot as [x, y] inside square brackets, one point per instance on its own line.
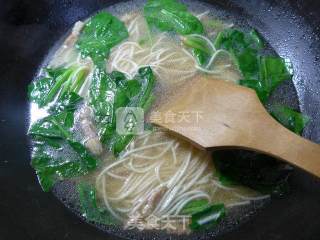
[73, 37]
[140, 218]
[153, 201]
[67, 53]
[92, 141]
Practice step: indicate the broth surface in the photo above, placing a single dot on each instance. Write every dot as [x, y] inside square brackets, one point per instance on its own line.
[158, 174]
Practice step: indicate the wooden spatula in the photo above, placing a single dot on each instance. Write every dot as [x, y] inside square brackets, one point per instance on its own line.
[231, 116]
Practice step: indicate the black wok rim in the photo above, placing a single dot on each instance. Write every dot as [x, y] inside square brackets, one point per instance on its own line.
[306, 37]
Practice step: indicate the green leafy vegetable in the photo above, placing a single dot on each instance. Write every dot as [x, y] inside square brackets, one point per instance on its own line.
[146, 79]
[68, 102]
[237, 41]
[100, 34]
[51, 165]
[225, 180]
[257, 39]
[79, 79]
[90, 210]
[59, 81]
[102, 97]
[60, 88]
[208, 217]
[44, 90]
[201, 50]
[75, 81]
[273, 71]
[291, 119]
[262, 73]
[54, 126]
[257, 171]
[55, 72]
[88, 161]
[244, 48]
[170, 15]
[55, 143]
[196, 42]
[195, 206]
[142, 100]
[38, 90]
[133, 88]
[108, 92]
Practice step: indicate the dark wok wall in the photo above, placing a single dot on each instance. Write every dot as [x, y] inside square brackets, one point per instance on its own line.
[28, 28]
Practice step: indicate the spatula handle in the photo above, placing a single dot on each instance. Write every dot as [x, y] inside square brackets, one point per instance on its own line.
[270, 137]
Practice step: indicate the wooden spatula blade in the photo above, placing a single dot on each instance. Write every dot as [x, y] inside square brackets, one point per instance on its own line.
[231, 116]
[222, 109]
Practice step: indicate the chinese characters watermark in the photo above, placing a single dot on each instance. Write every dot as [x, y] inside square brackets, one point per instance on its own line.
[176, 117]
[131, 121]
[167, 223]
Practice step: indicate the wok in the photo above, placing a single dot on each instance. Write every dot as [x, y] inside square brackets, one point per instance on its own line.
[28, 29]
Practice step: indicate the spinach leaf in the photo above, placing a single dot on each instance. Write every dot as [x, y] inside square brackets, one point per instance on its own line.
[261, 73]
[38, 90]
[170, 15]
[51, 135]
[244, 48]
[225, 180]
[146, 79]
[108, 92]
[55, 143]
[54, 126]
[133, 88]
[74, 82]
[100, 34]
[59, 82]
[44, 90]
[102, 99]
[61, 85]
[41, 159]
[89, 208]
[120, 142]
[68, 102]
[273, 71]
[208, 217]
[87, 160]
[201, 50]
[143, 99]
[55, 72]
[289, 118]
[195, 206]
[51, 166]
[257, 171]
[237, 41]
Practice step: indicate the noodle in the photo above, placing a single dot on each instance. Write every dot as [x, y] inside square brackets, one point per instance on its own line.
[159, 52]
[157, 174]
[185, 174]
